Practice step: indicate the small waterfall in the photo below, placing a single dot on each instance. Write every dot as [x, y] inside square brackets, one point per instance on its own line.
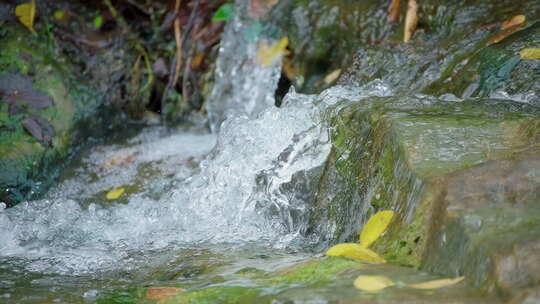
[242, 86]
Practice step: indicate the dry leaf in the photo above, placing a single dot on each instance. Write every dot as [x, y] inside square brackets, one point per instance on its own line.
[115, 193]
[516, 20]
[26, 13]
[157, 293]
[355, 251]
[375, 226]
[393, 11]
[411, 20]
[120, 159]
[530, 54]
[17, 89]
[332, 76]
[258, 9]
[268, 54]
[437, 283]
[502, 35]
[372, 283]
[39, 128]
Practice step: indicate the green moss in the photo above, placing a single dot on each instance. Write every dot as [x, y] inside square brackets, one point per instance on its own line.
[314, 271]
[219, 294]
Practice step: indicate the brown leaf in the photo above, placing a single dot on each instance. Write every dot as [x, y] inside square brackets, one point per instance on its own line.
[258, 9]
[393, 11]
[120, 159]
[411, 20]
[157, 293]
[39, 128]
[516, 20]
[18, 89]
[502, 35]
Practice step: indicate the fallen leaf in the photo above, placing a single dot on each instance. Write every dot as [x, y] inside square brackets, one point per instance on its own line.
[115, 193]
[530, 54]
[393, 11]
[437, 283]
[26, 14]
[224, 12]
[372, 283]
[120, 159]
[158, 293]
[502, 35]
[411, 20]
[258, 9]
[271, 53]
[355, 251]
[39, 128]
[332, 76]
[18, 89]
[375, 226]
[516, 20]
[59, 15]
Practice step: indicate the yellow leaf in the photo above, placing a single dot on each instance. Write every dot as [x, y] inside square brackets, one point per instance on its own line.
[411, 20]
[115, 193]
[372, 283]
[375, 226]
[332, 76]
[59, 14]
[268, 54]
[437, 283]
[516, 20]
[355, 251]
[530, 54]
[26, 13]
[393, 11]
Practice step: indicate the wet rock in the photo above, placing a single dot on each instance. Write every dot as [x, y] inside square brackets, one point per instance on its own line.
[463, 177]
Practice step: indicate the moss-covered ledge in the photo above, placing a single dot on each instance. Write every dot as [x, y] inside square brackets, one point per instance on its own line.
[82, 106]
[449, 169]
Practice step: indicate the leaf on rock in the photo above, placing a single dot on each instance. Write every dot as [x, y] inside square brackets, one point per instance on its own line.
[516, 20]
[437, 283]
[224, 12]
[375, 226]
[26, 14]
[39, 128]
[502, 35]
[258, 9]
[530, 54]
[393, 11]
[115, 193]
[411, 20]
[158, 293]
[18, 89]
[355, 251]
[332, 76]
[372, 283]
[271, 53]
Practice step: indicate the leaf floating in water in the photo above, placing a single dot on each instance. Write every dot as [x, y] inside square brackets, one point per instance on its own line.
[258, 9]
[502, 35]
[224, 12]
[268, 54]
[516, 20]
[115, 193]
[411, 20]
[18, 89]
[437, 283]
[158, 293]
[372, 283]
[530, 54]
[26, 13]
[332, 76]
[375, 226]
[393, 11]
[355, 251]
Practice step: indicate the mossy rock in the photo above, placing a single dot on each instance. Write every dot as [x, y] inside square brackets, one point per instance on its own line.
[81, 108]
[405, 153]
